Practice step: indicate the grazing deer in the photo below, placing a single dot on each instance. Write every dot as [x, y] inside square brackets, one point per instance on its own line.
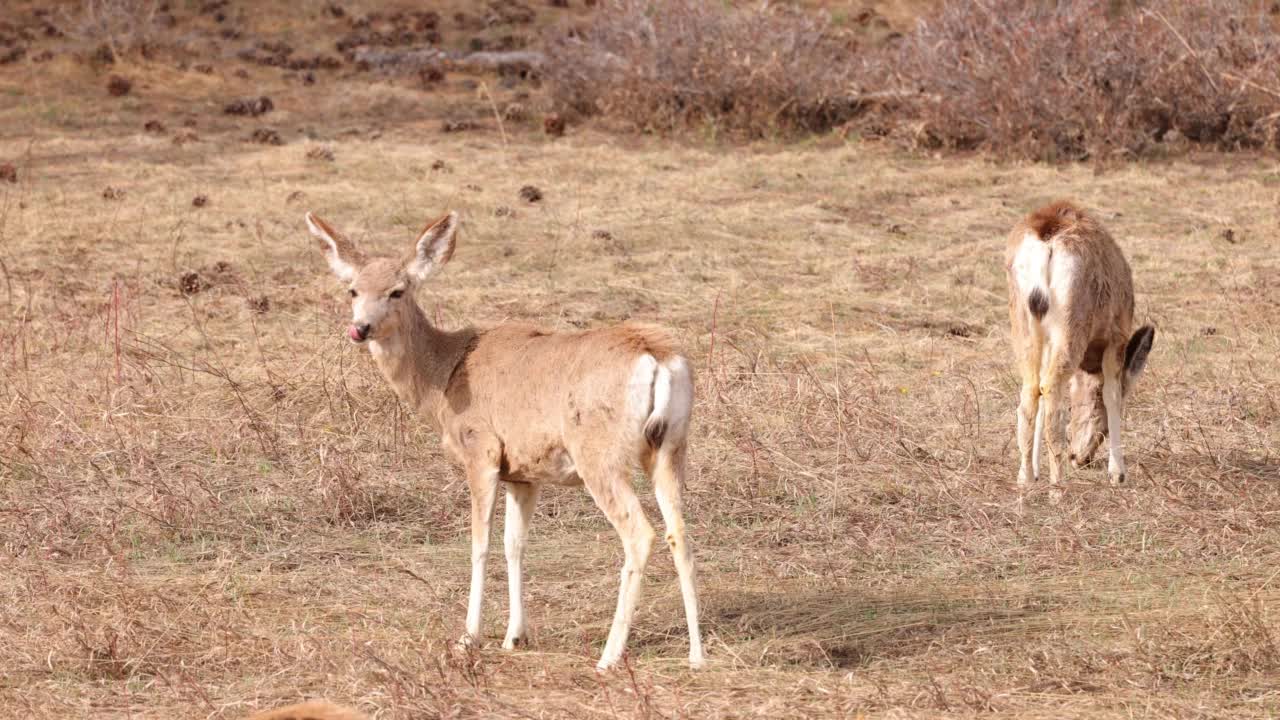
[1071, 311]
[521, 407]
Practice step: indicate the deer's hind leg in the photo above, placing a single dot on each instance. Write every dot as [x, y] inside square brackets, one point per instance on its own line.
[668, 471]
[1031, 354]
[609, 482]
[1062, 358]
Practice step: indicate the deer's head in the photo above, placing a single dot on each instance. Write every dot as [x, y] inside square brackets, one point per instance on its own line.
[1088, 427]
[381, 287]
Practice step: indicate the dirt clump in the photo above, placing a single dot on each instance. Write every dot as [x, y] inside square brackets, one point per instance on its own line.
[102, 56]
[250, 107]
[453, 126]
[119, 86]
[431, 76]
[190, 283]
[193, 282]
[266, 136]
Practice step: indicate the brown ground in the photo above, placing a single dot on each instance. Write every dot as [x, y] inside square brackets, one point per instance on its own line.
[210, 503]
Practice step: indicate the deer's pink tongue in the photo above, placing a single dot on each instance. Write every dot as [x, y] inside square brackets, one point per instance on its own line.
[354, 333]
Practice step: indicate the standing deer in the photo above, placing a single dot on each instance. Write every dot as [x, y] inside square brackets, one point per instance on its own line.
[520, 407]
[1071, 311]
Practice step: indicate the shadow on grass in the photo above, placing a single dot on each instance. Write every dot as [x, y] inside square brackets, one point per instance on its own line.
[835, 628]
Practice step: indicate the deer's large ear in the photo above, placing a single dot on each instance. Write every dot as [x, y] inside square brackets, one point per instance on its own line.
[1135, 354]
[434, 247]
[344, 259]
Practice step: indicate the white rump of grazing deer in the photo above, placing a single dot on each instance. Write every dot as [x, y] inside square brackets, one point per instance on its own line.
[1071, 311]
[520, 407]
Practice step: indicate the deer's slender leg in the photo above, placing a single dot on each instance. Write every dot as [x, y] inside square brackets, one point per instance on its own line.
[1030, 407]
[1036, 441]
[521, 499]
[1113, 402]
[611, 488]
[1053, 386]
[668, 482]
[484, 493]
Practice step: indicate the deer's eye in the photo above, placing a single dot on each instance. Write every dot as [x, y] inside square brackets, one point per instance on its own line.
[352, 292]
[396, 293]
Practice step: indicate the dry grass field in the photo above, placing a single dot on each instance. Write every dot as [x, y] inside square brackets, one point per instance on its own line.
[210, 502]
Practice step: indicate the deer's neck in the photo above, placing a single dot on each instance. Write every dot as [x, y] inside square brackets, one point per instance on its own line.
[418, 361]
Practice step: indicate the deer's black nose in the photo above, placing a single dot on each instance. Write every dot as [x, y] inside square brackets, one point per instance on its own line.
[358, 331]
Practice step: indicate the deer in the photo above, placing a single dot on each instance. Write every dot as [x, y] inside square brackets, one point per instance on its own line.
[1071, 306]
[521, 407]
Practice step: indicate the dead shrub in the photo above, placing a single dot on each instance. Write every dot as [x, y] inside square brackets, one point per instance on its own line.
[1065, 80]
[122, 25]
[666, 66]
[1076, 78]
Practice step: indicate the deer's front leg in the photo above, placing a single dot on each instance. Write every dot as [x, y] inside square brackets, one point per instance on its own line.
[1113, 403]
[521, 499]
[484, 491]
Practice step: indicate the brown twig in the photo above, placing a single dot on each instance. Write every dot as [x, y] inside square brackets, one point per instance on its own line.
[1194, 55]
